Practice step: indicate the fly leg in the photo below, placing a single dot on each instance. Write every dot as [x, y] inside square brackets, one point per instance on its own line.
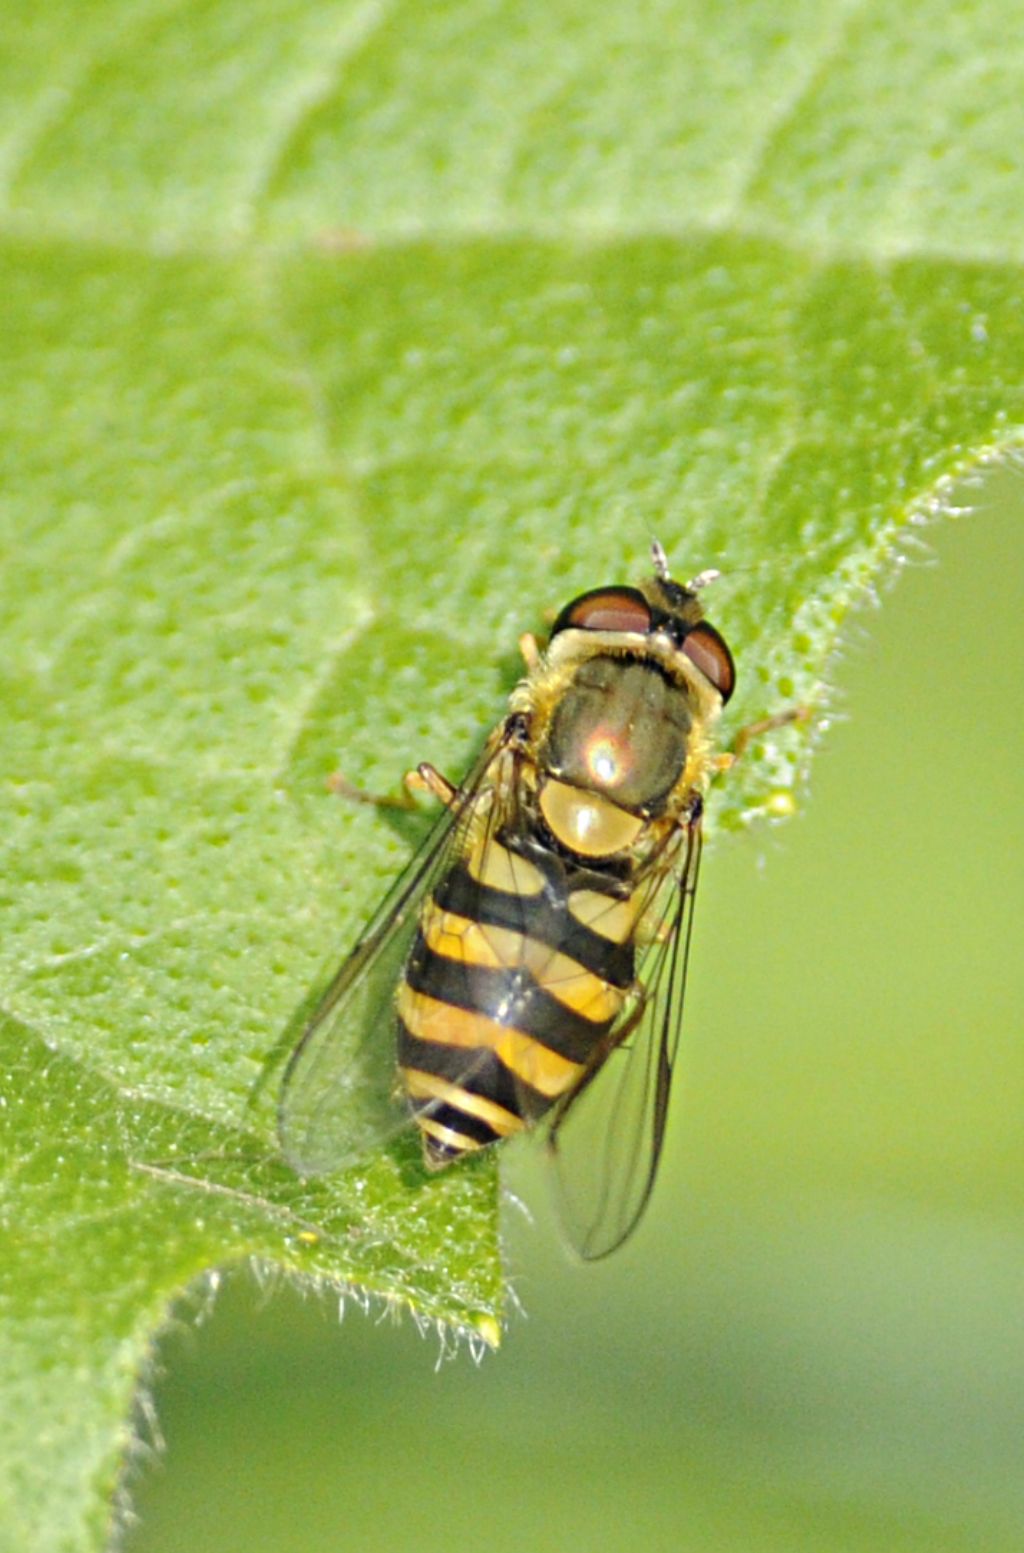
[530, 651]
[756, 730]
[424, 779]
[427, 779]
[338, 783]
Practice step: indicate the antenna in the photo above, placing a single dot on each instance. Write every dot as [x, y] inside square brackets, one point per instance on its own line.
[702, 579]
[660, 560]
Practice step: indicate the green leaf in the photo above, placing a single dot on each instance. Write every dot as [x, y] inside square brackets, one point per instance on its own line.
[340, 342]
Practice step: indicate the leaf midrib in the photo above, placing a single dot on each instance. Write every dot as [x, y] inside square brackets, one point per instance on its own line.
[811, 252]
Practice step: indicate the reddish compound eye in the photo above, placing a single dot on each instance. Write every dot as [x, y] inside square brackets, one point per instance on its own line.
[708, 652]
[607, 609]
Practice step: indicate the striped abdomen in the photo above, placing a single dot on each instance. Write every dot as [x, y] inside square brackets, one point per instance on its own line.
[519, 969]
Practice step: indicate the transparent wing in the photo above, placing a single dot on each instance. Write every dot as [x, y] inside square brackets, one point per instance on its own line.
[606, 1135]
[337, 1096]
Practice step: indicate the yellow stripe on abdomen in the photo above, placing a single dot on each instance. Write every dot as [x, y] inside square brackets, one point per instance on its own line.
[613, 919]
[495, 866]
[447, 1138]
[529, 1059]
[466, 942]
[429, 1086]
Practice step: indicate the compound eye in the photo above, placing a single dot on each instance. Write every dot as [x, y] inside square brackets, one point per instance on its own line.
[606, 609]
[706, 649]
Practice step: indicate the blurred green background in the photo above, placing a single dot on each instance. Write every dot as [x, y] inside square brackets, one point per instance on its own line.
[816, 1339]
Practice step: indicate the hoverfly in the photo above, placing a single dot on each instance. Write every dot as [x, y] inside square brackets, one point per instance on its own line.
[538, 942]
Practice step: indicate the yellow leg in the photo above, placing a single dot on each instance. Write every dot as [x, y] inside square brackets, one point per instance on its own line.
[529, 649]
[427, 779]
[752, 731]
[338, 783]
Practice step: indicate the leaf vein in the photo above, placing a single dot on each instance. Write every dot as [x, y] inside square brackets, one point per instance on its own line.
[778, 120]
[359, 29]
